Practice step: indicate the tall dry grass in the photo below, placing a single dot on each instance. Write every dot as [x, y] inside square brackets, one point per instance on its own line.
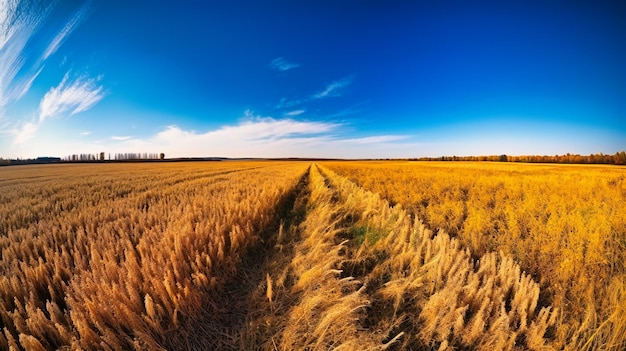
[198, 257]
[120, 257]
[564, 224]
[357, 274]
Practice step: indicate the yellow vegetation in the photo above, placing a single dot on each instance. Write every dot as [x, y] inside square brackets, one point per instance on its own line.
[292, 256]
[409, 289]
[127, 256]
[564, 224]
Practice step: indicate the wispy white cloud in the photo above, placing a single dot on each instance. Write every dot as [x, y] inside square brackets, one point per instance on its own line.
[22, 62]
[77, 96]
[294, 113]
[23, 24]
[287, 103]
[264, 137]
[22, 87]
[342, 113]
[333, 89]
[85, 133]
[25, 133]
[253, 136]
[283, 65]
[121, 138]
[67, 30]
[378, 139]
[259, 128]
[72, 97]
[17, 26]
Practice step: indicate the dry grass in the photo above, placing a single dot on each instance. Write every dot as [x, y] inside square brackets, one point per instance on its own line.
[406, 289]
[127, 256]
[210, 257]
[565, 225]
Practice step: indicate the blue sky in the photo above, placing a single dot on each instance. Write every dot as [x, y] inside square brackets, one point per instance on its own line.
[354, 79]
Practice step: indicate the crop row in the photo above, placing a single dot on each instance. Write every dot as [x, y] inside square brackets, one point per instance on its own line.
[127, 257]
[565, 225]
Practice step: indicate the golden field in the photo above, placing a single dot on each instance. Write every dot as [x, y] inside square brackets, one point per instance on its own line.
[270, 255]
[127, 256]
[564, 224]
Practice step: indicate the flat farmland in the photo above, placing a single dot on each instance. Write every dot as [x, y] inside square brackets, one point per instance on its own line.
[564, 224]
[312, 256]
[123, 256]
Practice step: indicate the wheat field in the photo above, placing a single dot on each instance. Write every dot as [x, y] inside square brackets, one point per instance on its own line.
[120, 257]
[564, 224]
[272, 255]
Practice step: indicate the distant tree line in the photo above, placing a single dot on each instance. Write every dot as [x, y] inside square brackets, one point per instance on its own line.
[137, 156]
[81, 157]
[126, 156]
[619, 158]
[38, 160]
[100, 157]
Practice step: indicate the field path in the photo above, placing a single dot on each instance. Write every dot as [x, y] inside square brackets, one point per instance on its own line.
[129, 256]
[245, 256]
[348, 271]
[243, 300]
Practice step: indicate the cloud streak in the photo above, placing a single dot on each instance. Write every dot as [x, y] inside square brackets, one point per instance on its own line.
[23, 25]
[68, 97]
[121, 138]
[286, 103]
[253, 136]
[264, 137]
[281, 64]
[294, 113]
[333, 89]
[65, 32]
[25, 133]
[73, 97]
[260, 128]
[17, 26]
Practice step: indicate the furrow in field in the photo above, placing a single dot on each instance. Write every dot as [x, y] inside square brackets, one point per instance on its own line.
[138, 273]
[363, 275]
[564, 224]
[263, 257]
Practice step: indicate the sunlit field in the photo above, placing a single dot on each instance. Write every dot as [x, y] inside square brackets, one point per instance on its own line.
[564, 224]
[128, 256]
[270, 255]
